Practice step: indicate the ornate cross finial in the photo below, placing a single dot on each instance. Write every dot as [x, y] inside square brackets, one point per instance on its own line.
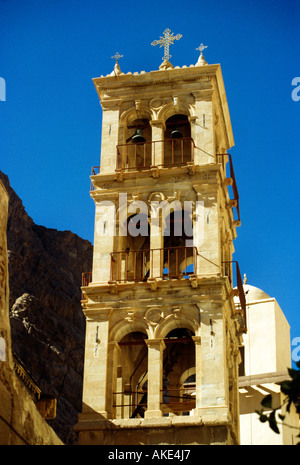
[116, 57]
[201, 61]
[201, 48]
[166, 41]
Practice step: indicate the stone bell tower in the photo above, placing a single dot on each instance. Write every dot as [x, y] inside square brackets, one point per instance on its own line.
[162, 329]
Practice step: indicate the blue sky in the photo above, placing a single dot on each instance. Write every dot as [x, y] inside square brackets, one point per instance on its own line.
[50, 123]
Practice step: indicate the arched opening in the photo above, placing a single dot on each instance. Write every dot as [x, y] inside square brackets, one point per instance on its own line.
[177, 140]
[178, 367]
[137, 150]
[132, 261]
[130, 400]
[179, 259]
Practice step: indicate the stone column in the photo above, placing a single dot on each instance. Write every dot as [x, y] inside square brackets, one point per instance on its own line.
[156, 242]
[213, 391]
[198, 366]
[207, 228]
[110, 127]
[203, 132]
[158, 128]
[96, 356]
[155, 367]
[112, 367]
[105, 230]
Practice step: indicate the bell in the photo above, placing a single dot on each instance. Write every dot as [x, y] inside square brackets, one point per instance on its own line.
[176, 134]
[138, 137]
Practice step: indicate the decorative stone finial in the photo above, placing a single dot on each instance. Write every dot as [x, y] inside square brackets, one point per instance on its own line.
[201, 61]
[245, 279]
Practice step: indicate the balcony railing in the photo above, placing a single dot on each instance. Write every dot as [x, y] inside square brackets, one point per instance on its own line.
[221, 159]
[86, 279]
[239, 288]
[166, 263]
[176, 152]
[134, 403]
[168, 152]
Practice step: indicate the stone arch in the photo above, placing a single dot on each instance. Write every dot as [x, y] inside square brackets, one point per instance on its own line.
[177, 226]
[131, 154]
[122, 328]
[186, 374]
[133, 114]
[130, 363]
[132, 246]
[178, 358]
[171, 109]
[178, 147]
[175, 321]
[128, 209]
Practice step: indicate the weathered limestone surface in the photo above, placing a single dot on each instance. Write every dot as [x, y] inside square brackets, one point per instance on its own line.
[47, 324]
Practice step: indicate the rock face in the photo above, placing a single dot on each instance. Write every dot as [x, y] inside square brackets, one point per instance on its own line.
[47, 323]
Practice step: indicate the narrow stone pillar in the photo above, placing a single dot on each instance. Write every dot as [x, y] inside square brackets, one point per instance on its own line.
[197, 341]
[95, 366]
[110, 127]
[104, 234]
[112, 366]
[156, 243]
[158, 127]
[213, 357]
[203, 132]
[207, 230]
[155, 367]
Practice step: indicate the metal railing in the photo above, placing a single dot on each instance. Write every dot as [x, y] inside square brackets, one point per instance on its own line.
[239, 287]
[167, 152]
[221, 159]
[175, 152]
[166, 263]
[95, 170]
[174, 400]
[86, 279]
[171, 263]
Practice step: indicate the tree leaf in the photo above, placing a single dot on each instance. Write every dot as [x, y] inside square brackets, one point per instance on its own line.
[285, 387]
[273, 422]
[293, 373]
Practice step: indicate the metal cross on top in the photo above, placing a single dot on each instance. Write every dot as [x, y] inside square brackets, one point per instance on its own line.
[201, 48]
[117, 56]
[166, 41]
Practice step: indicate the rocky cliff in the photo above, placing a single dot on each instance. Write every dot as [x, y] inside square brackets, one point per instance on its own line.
[47, 323]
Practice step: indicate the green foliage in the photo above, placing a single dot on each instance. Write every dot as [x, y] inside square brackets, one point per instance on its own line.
[291, 388]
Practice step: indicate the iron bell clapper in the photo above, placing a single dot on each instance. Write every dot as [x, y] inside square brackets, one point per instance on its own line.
[138, 137]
